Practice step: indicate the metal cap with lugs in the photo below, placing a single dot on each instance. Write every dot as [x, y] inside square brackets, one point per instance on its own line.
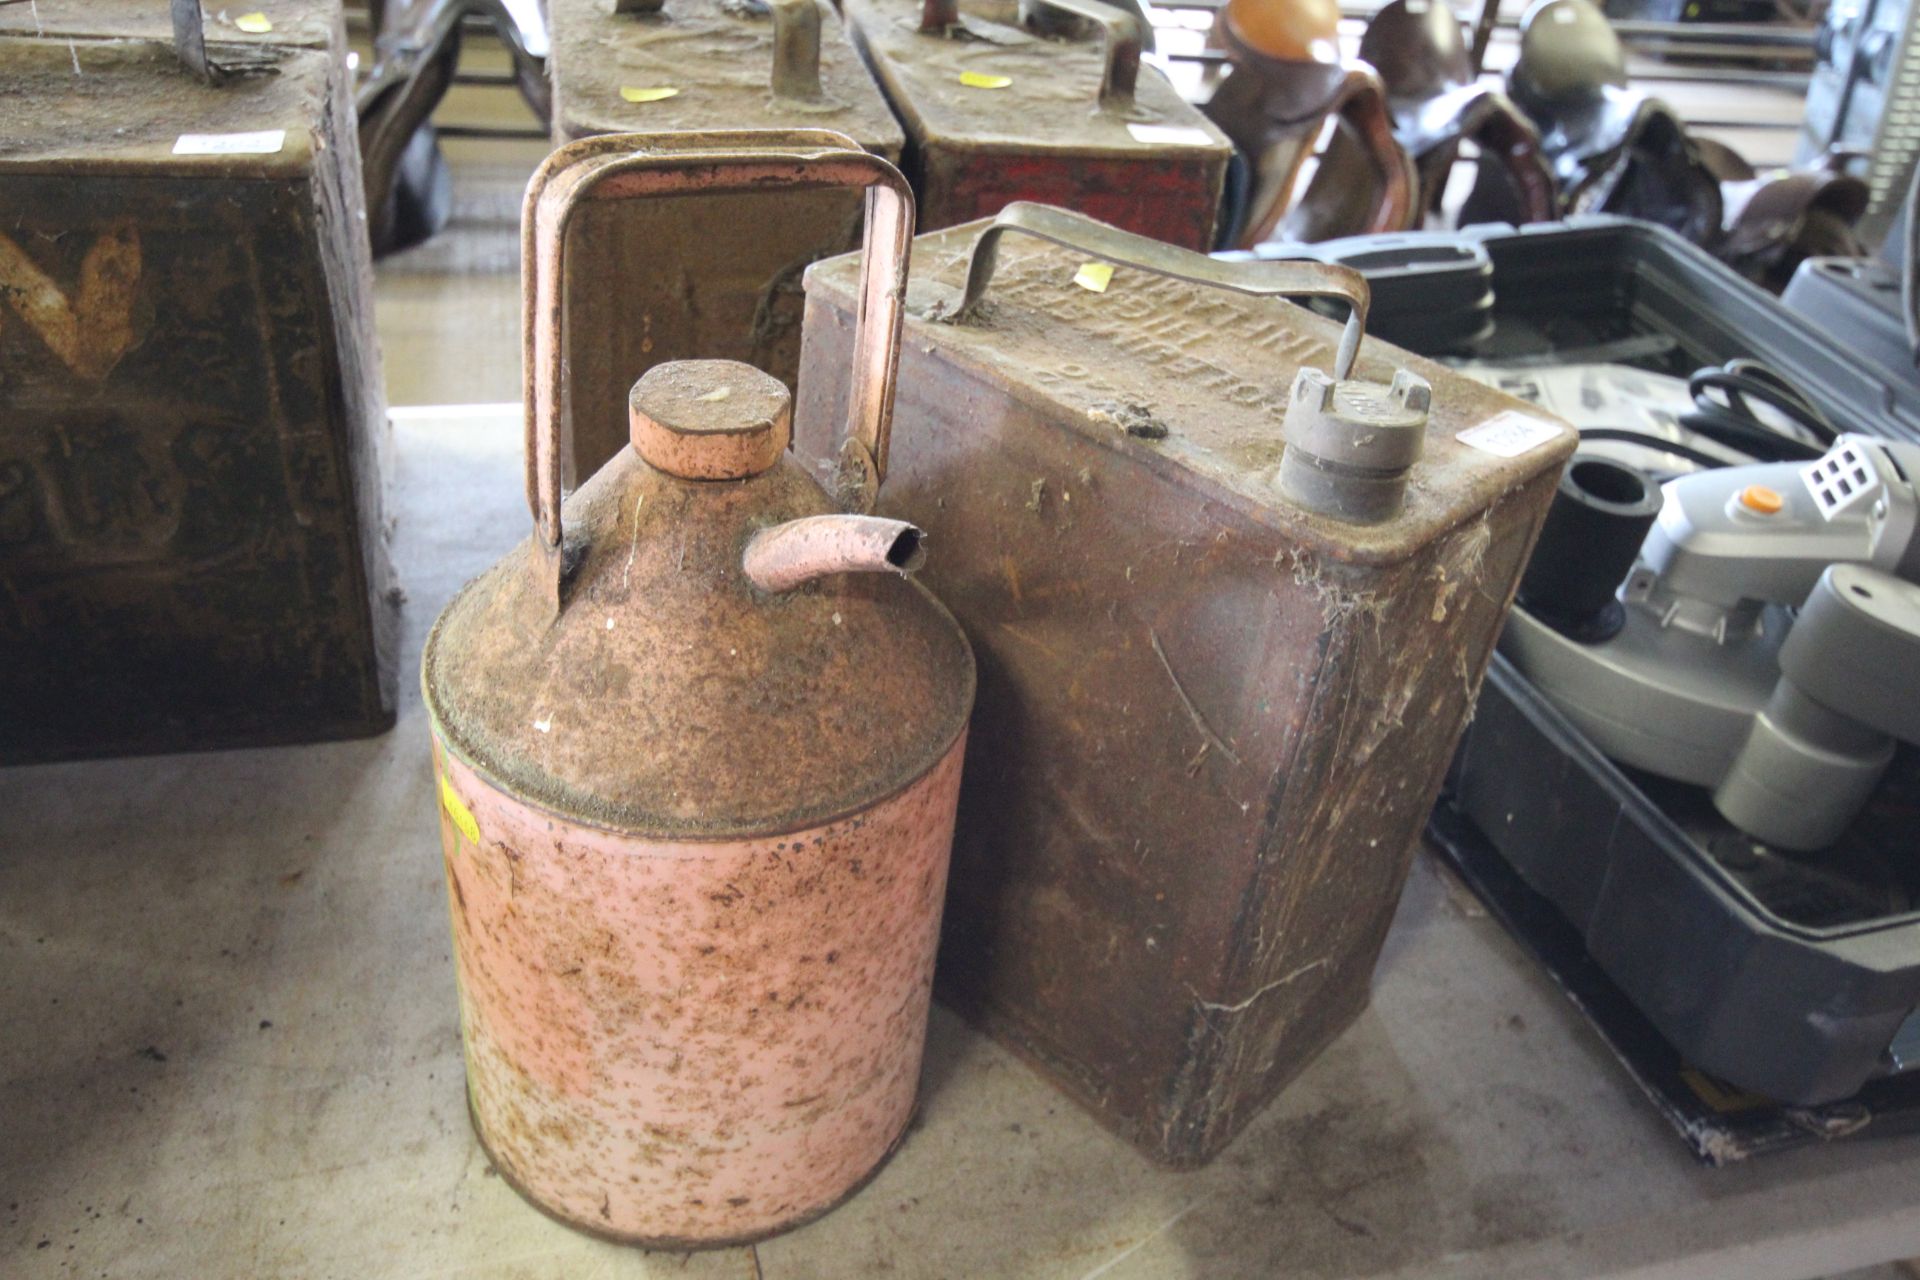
[1351, 443]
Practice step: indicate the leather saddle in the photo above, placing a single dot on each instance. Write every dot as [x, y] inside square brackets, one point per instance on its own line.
[1438, 103]
[1274, 104]
[1612, 148]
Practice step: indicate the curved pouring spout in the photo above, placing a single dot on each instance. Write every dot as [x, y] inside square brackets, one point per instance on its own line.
[785, 556]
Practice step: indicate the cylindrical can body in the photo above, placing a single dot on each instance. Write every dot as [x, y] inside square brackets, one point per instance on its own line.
[693, 1043]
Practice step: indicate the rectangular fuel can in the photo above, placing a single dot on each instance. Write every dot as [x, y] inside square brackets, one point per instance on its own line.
[192, 550]
[1211, 720]
[1004, 103]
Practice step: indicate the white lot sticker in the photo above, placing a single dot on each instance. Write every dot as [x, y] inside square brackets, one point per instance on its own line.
[1179, 135]
[265, 142]
[1510, 434]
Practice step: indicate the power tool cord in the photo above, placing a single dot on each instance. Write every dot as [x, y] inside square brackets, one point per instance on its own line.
[1708, 461]
[1729, 418]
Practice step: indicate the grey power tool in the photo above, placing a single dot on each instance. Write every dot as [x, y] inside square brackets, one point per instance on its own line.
[1754, 630]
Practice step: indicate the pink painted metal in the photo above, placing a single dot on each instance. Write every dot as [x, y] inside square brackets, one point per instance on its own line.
[696, 817]
[781, 558]
[692, 1043]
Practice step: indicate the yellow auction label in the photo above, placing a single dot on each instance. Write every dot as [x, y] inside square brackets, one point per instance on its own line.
[658, 93]
[981, 80]
[254, 24]
[1094, 276]
[457, 810]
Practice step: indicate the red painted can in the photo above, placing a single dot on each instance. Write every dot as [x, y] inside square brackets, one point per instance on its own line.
[697, 761]
[1046, 101]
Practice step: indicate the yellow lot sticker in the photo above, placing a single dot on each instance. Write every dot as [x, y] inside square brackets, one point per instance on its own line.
[1094, 276]
[254, 24]
[981, 80]
[658, 93]
[457, 810]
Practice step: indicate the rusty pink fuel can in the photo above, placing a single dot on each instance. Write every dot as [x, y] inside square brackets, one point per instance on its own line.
[697, 743]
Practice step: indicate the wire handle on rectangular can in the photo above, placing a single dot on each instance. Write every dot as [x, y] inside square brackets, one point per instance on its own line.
[796, 49]
[796, 43]
[1122, 37]
[636, 166]
[1098, 239]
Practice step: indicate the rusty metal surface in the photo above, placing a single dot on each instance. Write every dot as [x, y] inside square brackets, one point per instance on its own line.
[192, 552]
[775, 689]
[720, 58]
[1209, 725]
[1061, 130]
[698, 742]
[714, 166]
[1277, 279]
[708, 276]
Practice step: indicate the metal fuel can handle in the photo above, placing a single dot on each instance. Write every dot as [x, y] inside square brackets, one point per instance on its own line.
[1122, 38]
[637, 166]
[1120, 44]
[190, 38]
[796, 49]
[796, 43]
[1350, 443]
[795, 74]
[1076, 231]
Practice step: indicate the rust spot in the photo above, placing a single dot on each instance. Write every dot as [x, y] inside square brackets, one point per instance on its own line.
[90, 330]
[459, 896]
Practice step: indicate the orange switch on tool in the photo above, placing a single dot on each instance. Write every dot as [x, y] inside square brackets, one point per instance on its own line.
[1761, 499]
